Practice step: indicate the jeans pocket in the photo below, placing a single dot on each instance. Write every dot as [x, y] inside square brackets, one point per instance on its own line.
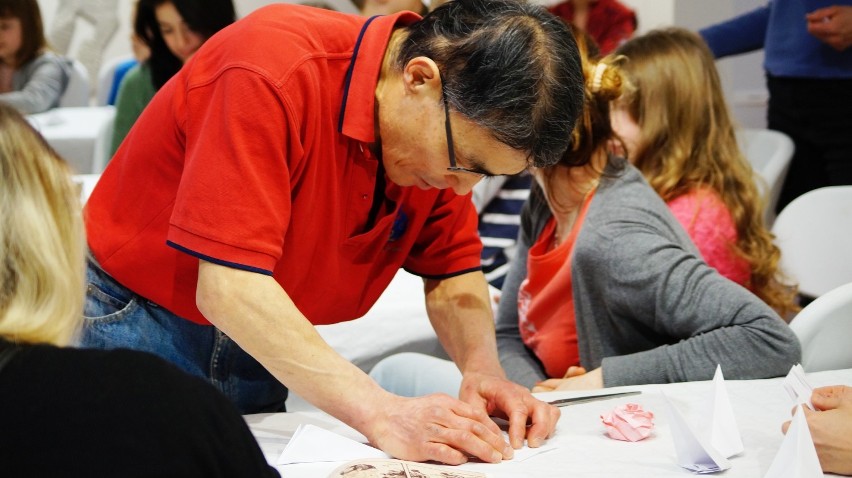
[104, 305]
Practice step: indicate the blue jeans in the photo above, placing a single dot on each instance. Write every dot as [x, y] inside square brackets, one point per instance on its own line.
[115, 317]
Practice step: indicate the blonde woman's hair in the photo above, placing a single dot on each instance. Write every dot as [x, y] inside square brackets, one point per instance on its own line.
[593, 131]
[41, 238]
[687, 141]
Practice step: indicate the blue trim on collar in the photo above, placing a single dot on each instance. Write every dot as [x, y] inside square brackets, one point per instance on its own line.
[232, 265]
[349, 71]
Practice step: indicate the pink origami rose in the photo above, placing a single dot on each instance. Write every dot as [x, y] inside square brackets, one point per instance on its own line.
[628, 422]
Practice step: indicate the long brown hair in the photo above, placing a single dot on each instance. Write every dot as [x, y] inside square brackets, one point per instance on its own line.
[687, 141]
[33, 41]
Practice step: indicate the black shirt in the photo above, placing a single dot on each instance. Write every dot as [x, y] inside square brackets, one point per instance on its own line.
[95, 413]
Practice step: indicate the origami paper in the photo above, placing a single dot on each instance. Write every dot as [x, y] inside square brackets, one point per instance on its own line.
[628, 422]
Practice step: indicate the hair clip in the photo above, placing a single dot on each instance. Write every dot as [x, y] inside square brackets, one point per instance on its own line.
[596, 81]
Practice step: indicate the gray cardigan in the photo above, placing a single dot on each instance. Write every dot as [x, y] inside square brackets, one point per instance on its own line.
[647, 308]
[38, 85]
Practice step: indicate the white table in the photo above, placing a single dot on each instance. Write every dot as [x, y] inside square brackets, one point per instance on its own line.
[81, 135]
[583, 450]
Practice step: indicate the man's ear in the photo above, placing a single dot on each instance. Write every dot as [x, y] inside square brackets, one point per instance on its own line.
[421, 75]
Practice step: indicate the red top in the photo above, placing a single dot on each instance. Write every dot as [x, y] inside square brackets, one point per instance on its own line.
[610, 22]
[546, 300]
[255, 156]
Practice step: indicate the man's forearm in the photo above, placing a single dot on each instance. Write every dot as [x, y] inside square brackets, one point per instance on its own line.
[258, 314]
[460, 312]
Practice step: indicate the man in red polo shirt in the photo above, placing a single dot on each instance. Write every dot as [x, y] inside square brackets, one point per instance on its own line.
[295, 163]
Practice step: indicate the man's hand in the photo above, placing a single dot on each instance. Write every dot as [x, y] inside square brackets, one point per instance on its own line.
[576, 379]
[831, 428]
[832, 25]
[500, 397]
[437, 428]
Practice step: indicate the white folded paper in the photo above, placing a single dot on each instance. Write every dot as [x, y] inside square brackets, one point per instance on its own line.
[797, 457]
[724, 432]
[312, 444]
[693, 453]
[798, 387]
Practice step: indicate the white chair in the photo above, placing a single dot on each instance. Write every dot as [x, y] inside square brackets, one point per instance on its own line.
[769, 153]
[86, 183]
[103, 141]
[814, 233]
[77, 92]
[106, 78]
[824, 329]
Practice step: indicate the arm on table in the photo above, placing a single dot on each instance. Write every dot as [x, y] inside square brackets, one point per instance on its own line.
[831, 428]
[258, 314]
[459, 309]
[41, 92]
[701, 318]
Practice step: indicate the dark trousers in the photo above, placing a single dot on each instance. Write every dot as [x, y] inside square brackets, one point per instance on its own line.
[817, 115]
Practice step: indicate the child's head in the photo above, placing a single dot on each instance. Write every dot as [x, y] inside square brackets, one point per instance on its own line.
[673, 112]
[175, 29]
[21, 31]
[42, 249]
[678, 131]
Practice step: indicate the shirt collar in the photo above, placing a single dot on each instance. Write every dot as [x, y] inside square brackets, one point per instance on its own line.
[357, 113]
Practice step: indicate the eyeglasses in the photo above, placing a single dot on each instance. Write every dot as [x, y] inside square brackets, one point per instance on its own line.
[451, 150]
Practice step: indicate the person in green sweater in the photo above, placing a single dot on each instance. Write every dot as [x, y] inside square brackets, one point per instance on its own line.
[173, 30]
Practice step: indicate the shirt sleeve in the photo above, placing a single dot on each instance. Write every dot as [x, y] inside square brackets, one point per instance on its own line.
[705, 319]
[233, 204]
[740, 34]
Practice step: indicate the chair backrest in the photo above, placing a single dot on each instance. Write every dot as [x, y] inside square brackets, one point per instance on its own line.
[824, 329]
[103, 141]
[769, 153]
[86, 183]
[814, 233]
[77, 91]
[107, 79]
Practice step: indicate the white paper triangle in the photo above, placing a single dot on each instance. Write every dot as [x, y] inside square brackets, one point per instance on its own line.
[797, 457]
[312, 444]
[798, 387]
[724, 433]
[692, 452]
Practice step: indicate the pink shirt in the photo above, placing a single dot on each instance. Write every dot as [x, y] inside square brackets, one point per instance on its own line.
[709, 223]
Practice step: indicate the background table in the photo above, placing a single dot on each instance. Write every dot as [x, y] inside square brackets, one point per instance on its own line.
[81, 135]
[582, 448]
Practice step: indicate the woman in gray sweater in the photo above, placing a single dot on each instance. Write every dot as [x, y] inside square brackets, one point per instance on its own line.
[32, 79]
[607, 280]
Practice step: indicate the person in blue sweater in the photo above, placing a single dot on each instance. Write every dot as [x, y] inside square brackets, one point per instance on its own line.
[808, 63]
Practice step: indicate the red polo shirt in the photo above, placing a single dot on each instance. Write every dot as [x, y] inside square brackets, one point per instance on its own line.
[255, 156]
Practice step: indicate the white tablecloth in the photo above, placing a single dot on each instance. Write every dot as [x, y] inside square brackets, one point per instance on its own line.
[583, 450]
[81, 135]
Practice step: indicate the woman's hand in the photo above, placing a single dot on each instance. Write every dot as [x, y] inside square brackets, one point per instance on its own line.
[576, 379]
